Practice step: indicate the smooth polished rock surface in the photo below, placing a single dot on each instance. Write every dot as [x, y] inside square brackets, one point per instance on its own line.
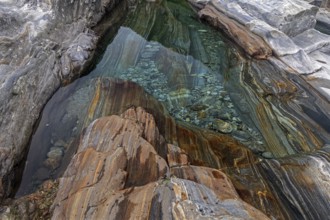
[192, 170]
[127, 179]
[312, 40]
[190, 90]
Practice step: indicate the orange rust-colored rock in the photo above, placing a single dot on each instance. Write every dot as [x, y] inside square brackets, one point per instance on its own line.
[252, 44]
[176, 156]
[118, 174]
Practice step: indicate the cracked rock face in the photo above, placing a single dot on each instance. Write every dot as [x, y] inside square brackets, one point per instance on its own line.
[117, 173]
[42, 45]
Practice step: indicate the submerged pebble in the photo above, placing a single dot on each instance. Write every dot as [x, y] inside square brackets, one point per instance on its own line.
[267, 155]
[222, 126]
[55, 152]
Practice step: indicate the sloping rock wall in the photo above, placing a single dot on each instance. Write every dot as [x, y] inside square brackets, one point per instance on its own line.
[42, 46]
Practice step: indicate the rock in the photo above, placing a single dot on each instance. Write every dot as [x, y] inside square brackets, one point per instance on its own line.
[135, 171]
[55, 153]
[267, 155]
[192, 158]
[293, 53]
[33, 206]
[312, 40]
[128, 158]
[198, 107]
[43, 174]
[325, 3]
[290, 17]
[296, 177]
[222, 126]
[104, 96]
[43, 44]
[176, 156]
[52, 163]
[201, 114]
[323, 21]
[274, 26]
[179, 97]
[253, 45]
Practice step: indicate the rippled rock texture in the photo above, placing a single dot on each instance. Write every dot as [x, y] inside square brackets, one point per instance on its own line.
[43, 44]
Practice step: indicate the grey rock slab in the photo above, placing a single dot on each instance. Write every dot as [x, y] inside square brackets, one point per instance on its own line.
[311, 40]
[301, 63]
[322, 58]
[289, 16]
[232, 10]
[323, 20]
[280, 43]
[321, 82]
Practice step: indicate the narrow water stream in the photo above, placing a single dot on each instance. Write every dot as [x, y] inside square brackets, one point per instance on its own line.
[180, 61]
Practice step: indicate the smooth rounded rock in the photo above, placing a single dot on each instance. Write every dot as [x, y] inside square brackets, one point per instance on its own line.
[267, 155]
[55, 153]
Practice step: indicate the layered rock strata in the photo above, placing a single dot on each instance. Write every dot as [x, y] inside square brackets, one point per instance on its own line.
[293, 80]
[183, 163]
[278, 26]
[188, 146]
[118, 174]
[43, 45]
[296, 73]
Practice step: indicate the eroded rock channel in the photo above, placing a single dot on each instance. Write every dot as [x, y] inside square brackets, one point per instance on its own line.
[176, 119]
